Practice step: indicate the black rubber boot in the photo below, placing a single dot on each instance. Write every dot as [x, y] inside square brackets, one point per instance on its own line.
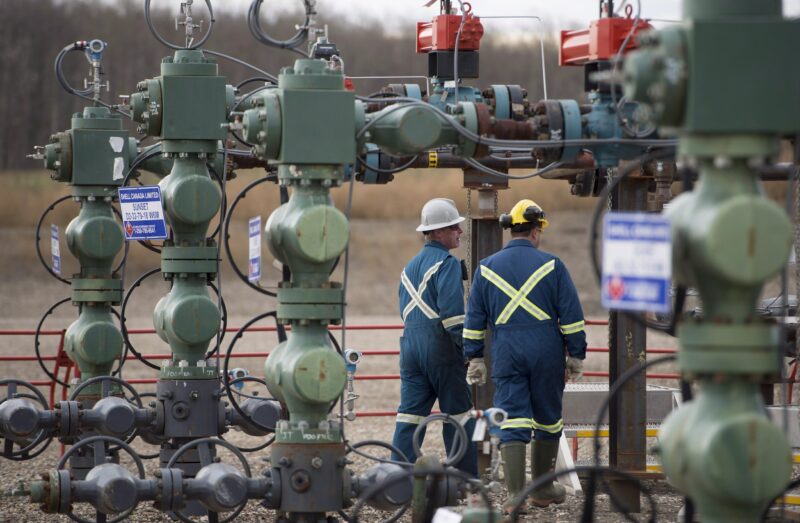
[513, 454]
[543, 460]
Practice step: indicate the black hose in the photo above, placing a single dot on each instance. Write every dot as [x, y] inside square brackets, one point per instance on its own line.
[128, 344]
[226, 236]
[460, 440]
[226, 378]
[39, 239]
[588, 505]
[298, 39]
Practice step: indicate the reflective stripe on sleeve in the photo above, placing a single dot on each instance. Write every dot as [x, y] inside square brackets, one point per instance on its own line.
[517, 423]
[452, 321]
[470, 334]
[552, 429]
[572, 328]
[413, 419]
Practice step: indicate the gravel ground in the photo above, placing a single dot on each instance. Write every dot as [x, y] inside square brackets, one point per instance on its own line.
[375, 256]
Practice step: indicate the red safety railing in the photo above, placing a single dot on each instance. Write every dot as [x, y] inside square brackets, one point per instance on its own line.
[63, 364]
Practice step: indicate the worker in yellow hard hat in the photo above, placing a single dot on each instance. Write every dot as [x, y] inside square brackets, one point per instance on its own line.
[527, 298]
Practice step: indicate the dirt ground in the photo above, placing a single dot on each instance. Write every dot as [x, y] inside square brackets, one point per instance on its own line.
[379, 251]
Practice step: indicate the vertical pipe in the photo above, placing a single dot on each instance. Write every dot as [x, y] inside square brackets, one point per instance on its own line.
[627, 341]
[486, 238]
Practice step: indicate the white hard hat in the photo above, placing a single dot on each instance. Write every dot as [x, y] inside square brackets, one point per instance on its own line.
[438, 214]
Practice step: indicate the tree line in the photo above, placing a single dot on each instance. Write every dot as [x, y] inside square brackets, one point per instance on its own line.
[33, 105]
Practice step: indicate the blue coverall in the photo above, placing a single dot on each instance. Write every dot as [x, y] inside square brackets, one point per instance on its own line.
[528, 299]
[431, 350]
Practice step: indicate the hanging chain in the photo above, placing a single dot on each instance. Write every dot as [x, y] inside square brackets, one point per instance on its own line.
[469, 243]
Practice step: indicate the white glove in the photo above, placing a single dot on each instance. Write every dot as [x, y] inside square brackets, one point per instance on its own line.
[574, 368]
[476, 372]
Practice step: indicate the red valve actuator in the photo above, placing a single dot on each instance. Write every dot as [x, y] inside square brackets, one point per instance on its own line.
[601, 41]
[440, 34]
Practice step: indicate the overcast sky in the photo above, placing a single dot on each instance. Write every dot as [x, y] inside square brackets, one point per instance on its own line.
[400, 15]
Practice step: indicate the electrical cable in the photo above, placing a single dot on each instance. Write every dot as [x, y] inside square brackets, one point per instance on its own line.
[226, 235]
[345, 280]
[124, 323]
[622, 380]
[460, 439]
[403, 167]
[36, 344]
[221, 178]
[254, 79]
[260, 381]
[39, 239]
[397, 514]
[455, 48]
[226, 377]
[298, 39]
[378, 443]
[488, 170]
[80, 93]
[189, 44]
[269, 76]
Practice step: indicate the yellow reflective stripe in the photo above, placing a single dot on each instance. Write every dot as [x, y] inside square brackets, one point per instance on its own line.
[554, 428]
[522, 293]
[452, 321]
[572, 328]
[409, 418]
[517, 423]
[499, 282]
[470, 334]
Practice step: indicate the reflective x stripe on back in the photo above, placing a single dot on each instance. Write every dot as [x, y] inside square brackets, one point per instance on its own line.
[416, 294]
[519, 296]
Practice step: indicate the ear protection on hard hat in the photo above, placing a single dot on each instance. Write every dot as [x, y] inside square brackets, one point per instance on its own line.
[525, 211]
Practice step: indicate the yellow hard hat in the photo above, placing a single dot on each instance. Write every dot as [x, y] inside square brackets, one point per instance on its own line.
[524, 211]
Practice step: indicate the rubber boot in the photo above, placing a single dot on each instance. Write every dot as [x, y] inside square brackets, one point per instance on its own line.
[513, 454]
[543, 460]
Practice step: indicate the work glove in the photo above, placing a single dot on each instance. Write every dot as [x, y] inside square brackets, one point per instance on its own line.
[476, 372]
[574, 368]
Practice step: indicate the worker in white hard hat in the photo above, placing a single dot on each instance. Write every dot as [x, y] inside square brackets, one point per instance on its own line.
[528, 300]
[431, 348]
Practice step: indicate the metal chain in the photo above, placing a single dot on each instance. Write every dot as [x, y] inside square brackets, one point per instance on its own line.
[469, 244]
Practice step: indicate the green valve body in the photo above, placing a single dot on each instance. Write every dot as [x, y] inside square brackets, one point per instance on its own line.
[705, 82]
[185, 107]
[92, 157]
[311, 127]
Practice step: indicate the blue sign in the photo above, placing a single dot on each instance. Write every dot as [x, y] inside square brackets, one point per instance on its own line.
[254, 235]
[142, 213]
[55, 249]
[637, 262]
